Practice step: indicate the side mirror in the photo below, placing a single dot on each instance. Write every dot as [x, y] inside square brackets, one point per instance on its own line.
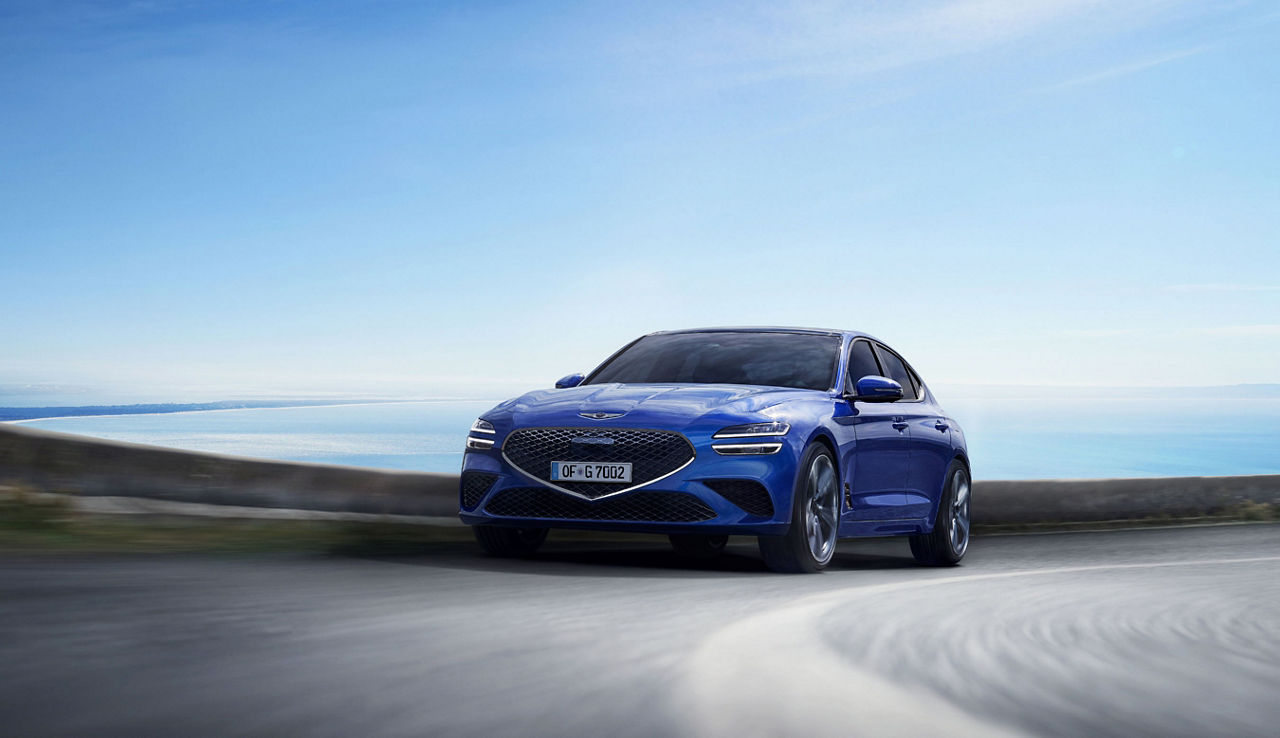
[572, 380]
[876, 389]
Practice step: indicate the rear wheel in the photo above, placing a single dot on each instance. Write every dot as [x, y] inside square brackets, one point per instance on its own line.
[947, 544]
[498, 540]
[698, 545]
[810, 542]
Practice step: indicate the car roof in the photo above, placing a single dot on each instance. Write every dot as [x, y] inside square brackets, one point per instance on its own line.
[772, 329]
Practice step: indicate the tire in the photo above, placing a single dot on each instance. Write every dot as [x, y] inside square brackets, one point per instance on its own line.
[698, 545]
[949, 541]
[497, 540]
[810, 543]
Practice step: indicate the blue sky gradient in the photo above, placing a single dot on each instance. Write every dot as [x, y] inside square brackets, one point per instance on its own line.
[458, 198]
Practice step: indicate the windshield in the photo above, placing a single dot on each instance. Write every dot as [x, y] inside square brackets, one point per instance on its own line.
[800, 360]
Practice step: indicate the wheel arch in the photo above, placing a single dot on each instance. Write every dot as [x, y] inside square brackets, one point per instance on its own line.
[822, 436]
[935, 504]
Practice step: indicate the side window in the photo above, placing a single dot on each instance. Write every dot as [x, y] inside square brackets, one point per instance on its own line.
[862, 362]
[897, 371]
[919, 383]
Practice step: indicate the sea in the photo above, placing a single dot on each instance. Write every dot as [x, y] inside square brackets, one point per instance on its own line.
[1009, 438]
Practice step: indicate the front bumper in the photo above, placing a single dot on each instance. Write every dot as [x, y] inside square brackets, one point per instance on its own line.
[688, 495]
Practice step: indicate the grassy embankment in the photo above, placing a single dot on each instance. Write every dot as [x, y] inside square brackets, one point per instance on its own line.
[31, 521]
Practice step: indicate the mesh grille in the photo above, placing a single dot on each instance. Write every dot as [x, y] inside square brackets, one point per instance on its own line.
[644, 506]
[474, 486]
[652, 454]
[747, 494]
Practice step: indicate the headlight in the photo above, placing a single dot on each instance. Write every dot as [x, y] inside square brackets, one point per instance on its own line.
[477, 440]
[753, 430]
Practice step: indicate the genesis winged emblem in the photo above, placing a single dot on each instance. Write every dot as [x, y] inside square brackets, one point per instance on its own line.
[601, 416]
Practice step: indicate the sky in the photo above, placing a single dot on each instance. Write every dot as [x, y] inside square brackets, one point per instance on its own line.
[200, 200]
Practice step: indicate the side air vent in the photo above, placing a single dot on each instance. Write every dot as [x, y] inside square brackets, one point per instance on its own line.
[747, 494]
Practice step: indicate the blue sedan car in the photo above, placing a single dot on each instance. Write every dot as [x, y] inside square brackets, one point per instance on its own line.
[799, 437]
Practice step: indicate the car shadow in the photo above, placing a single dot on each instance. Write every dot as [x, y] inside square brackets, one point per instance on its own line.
[633, 559]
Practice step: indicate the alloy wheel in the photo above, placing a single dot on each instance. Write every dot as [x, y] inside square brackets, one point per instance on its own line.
[960, 512]
[822, 513]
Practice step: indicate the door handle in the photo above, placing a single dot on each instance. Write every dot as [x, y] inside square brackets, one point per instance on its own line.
[940, 425]
[900, 426]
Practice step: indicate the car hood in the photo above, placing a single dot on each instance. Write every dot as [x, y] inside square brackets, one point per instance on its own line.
[644, 404]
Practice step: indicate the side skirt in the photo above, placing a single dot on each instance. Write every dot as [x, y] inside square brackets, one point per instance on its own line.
[873, 528]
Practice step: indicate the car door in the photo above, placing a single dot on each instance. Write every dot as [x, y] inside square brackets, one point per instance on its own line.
[927, 438]
[876, 470]
[931, 454]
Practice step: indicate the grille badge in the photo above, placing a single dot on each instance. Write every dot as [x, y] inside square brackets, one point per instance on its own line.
[601, 416]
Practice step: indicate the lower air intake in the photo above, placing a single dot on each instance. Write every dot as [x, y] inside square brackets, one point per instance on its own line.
[474, 486]
[747, 494]
[636, 507]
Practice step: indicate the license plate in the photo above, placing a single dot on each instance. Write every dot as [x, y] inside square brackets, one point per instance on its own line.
[589, 471]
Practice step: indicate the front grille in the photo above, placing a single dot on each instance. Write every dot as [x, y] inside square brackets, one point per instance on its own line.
[747, 494]
[653, 454]
[474, 486]
[634, 507]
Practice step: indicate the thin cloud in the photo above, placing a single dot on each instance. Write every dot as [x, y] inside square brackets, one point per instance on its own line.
[1099, 332]
[841, 39]
[1222, 287]
[1127, 69]
[1266, 329]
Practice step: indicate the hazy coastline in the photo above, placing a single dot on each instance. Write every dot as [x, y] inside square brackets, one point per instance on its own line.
[18, 415]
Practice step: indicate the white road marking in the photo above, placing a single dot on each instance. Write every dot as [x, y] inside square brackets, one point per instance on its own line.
[772, 675]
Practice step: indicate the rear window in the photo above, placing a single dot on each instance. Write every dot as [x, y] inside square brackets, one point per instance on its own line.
[799, 360]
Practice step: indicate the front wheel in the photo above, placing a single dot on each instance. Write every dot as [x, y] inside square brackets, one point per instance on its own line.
[946, 545]
[497, 540]
[810, 542]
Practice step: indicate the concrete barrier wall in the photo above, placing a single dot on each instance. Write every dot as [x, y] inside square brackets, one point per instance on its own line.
[58, 462]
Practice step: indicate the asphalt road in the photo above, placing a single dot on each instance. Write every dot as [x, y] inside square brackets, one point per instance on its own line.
[1159, 631]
